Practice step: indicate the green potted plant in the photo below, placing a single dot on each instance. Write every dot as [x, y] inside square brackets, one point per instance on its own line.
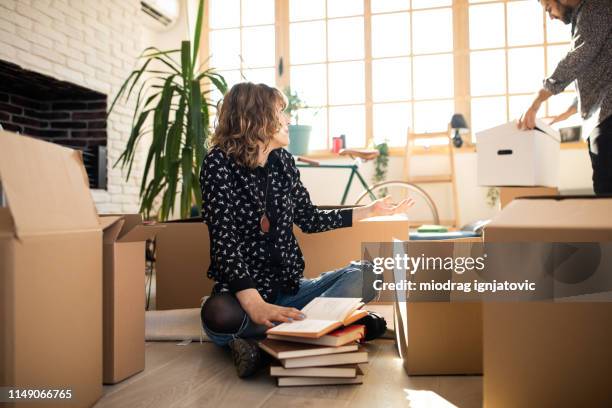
[299, 135]
[381, 164]
[169, 97]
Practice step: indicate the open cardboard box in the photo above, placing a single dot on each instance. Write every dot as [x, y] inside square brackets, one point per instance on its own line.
[547, 354]
[439, 338]
[508, 156]
[50, 272]
[183, 254]
[508, 194]
[123, 294]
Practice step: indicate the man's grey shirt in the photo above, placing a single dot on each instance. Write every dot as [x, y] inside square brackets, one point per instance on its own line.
[589, 62]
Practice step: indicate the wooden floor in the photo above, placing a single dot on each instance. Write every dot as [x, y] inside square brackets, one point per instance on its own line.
[202, 375]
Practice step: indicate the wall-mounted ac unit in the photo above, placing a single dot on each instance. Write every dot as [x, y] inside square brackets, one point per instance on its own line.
[159, 15]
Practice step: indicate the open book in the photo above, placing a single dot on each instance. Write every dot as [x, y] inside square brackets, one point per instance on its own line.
[323, 314]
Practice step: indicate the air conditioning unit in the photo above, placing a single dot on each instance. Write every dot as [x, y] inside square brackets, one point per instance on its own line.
[159, 15]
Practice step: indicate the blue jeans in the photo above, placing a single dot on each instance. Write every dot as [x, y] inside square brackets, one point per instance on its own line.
[354, 280]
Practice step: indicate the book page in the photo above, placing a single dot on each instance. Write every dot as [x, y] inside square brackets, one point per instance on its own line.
[302, 326]
[328, 308]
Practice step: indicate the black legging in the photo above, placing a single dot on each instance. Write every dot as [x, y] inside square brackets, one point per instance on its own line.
[222, 313]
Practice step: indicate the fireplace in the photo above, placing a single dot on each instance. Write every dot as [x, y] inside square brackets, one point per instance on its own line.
[56, 111]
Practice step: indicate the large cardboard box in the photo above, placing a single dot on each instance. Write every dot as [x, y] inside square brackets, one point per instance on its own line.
[508, 156]
[123, 295]
[183, 255]
[508, 194]
[182, 260]
[549, 354]
[50, 272]
[439, 338]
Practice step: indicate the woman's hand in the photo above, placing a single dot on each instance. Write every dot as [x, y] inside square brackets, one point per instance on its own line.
[262, 312]
[382, 206]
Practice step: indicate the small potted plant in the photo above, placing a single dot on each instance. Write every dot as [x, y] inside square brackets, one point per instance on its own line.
[299, 135]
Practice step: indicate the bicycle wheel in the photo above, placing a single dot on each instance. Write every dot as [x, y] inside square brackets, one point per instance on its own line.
[401, 189]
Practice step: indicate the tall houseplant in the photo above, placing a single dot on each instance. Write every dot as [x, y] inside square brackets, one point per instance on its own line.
[299, 135]
[172, 97]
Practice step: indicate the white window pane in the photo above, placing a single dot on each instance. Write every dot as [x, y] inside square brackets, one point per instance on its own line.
[433, 76]
[391, 79]
[559, 103]
[380, 6]
[349, 121]
[345, 38]
[346, 83]
[525, 69]
[555, 54]
[488, 72]
[391, 35]
[309, 81]
[432, 31]
[224, 13]
[258, 48]
[257, 12]
[231, 77]
[260, 76]
[487, 26]
[557, 31]
[306, 9]
[317, 118]
[417, 4]
[225, 49]
[340, 8]
[391, 123]
[519, 105]
[307, 42]
[487, 113]
[432, 116]
[525, 23]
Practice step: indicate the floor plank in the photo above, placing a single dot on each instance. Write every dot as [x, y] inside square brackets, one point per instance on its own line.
[202, 375]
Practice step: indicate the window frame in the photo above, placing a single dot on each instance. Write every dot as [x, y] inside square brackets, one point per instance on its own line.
[460, 52]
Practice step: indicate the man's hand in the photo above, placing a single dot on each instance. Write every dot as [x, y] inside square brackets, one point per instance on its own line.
[527, 120]
[262, 312]
[561, 117]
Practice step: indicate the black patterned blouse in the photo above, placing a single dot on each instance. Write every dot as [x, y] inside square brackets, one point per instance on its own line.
[242, 256]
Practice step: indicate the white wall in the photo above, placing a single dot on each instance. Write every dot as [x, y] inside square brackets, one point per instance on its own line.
[94, 44]
[326, 185]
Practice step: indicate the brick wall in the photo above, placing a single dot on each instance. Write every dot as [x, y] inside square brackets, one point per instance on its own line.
[91, 43]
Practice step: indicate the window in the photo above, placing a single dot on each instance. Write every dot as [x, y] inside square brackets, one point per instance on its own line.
[508, 61]
[242, 40]
[372, 69]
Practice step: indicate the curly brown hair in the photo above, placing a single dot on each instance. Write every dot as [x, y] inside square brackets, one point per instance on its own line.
[246, 116]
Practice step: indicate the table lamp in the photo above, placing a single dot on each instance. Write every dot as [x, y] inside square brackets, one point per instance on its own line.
[458, 123]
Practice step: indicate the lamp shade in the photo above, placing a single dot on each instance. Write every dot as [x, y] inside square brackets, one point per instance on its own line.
[458, 122]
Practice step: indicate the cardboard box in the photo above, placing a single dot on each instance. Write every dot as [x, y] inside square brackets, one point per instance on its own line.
[439, 338]
[549, 354]
[123, 295]
[183, 255]
[508, 156]
[182, 260]
[329, 250]
[50, 272]
[507, 194]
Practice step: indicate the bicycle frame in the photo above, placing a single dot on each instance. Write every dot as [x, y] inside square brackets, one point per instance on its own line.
[354, 172]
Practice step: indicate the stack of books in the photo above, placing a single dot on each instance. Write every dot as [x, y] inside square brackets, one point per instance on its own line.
[323, 348]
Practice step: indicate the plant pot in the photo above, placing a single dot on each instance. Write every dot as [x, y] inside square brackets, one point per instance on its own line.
[299, 137]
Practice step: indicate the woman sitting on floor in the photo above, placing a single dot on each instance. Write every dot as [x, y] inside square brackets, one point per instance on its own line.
[251, 197]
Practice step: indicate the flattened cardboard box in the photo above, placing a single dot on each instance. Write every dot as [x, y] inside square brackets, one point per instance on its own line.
[439, 338]
[50, 272]
[123, 295]
[549, 354]
[183, 255]
[508, 194]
